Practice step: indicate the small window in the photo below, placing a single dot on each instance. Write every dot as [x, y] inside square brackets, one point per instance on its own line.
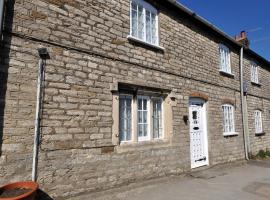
[144, 22]
[258, 122]
[228, 119]
[125, 117]
[225, 60]
[254, 73]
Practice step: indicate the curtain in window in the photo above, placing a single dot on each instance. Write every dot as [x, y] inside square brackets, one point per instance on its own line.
[254, 73]
[157, 118]
[141, 21]
[142, 117]
[125, 118]
[258, 122]
[225, 62]
[134, 19]
[144, 22]
[228, 119]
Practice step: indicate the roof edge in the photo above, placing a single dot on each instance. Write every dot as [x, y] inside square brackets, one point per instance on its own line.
[216, 29]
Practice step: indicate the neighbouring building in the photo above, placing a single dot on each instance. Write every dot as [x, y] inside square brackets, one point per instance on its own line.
[133, 90]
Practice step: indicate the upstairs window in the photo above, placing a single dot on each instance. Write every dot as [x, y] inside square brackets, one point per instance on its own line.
[258, 122]
[225, 59]
[228, 119]
[144, 22]
[254, 73]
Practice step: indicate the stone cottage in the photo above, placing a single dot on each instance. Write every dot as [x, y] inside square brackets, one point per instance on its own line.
[132, 90]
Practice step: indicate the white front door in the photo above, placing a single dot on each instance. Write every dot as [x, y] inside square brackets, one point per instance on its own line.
[198, 133]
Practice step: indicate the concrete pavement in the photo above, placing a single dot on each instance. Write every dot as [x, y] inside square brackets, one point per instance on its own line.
[248, 182]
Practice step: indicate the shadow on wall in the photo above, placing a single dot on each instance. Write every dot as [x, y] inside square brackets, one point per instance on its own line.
[41, 195]
[4, 62]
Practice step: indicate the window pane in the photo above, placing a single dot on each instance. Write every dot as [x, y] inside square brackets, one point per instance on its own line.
[145, 130]
[140, 117]
[228, 119]
[134, 20]
[144, 116]
[144, 104]
[148, 27]
[140, 130]
[258, 122]
[140, 101]
[125, 118]
[154, 29]
[157, 118]
[140, 22]
[225, 62]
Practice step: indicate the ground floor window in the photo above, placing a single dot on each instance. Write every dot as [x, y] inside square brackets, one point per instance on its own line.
[258, 122]
[228, 119]
[145, 113]
[125, 117]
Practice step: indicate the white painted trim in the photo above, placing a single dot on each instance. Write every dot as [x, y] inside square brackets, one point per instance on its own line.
[227, 73]
[230, 133]
[130, 37]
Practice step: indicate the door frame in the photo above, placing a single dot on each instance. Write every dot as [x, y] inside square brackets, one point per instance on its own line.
[205, 131]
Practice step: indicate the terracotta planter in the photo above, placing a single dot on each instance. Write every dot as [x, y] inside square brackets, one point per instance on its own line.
[29, 195]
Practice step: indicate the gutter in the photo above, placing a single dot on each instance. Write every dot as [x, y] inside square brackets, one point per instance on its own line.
[209, 25]
[1, 17]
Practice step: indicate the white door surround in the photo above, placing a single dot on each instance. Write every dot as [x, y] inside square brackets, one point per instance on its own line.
[198, 133]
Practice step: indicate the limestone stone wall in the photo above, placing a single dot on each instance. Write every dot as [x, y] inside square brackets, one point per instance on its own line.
[258, 99]
[89, 51]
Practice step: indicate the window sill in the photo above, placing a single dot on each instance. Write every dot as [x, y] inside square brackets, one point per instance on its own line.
[135, 146]
[256, 84]
[230, 75]
[260, 134]
[230, 134]
[145, 43]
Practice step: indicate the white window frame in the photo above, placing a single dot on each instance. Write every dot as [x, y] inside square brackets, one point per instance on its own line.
[254, 73]
[147, 137]
[225, 59]
[228, 120]
[146, 7]
[135, 119]
[258, 122]
[132, 108]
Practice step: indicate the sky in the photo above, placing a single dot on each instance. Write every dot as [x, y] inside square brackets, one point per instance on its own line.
[233, 16]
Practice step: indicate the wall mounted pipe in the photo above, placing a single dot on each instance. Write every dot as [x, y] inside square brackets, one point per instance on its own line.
[244, 107]
[37, 118]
